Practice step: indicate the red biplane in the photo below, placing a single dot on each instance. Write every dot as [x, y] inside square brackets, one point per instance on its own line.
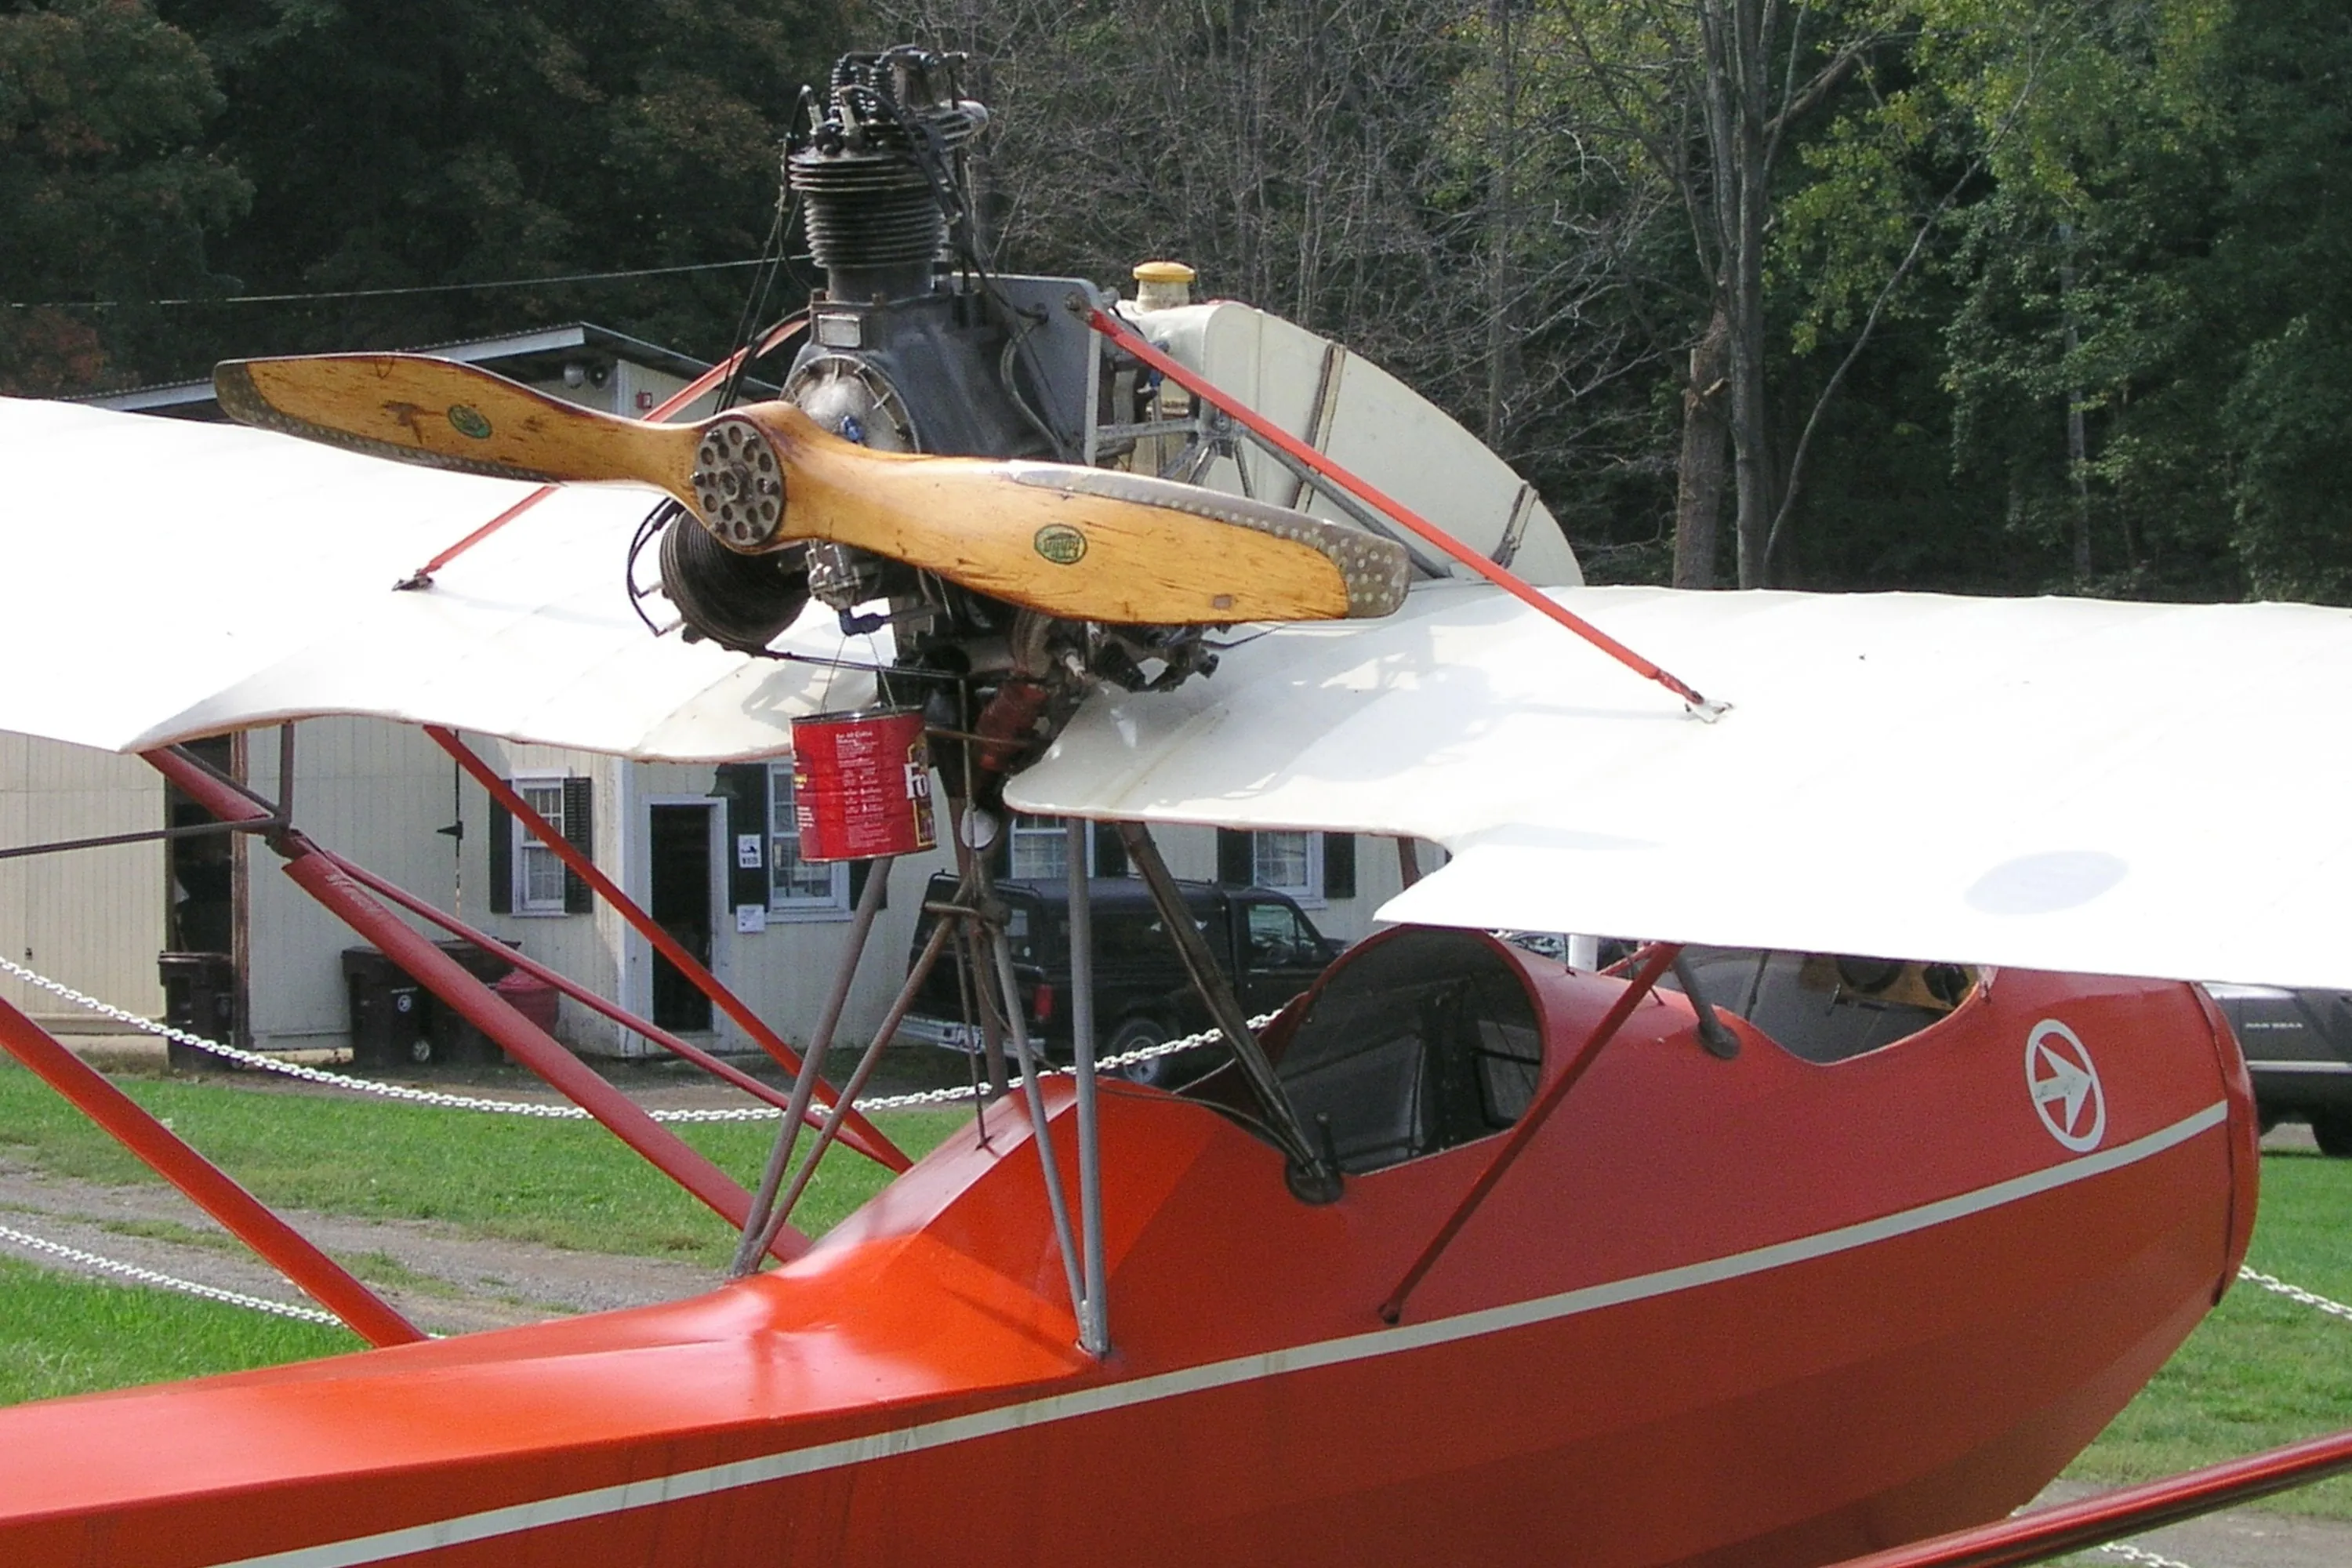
[1748, 1251]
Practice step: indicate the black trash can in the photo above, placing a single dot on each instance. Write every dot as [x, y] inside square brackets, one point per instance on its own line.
[200, 996]
[453, 1039]
[388, 1011]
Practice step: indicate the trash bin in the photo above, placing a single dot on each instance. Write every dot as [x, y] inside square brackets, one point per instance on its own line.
[200, 996]
[533, 998]
[388, 1011]
[453, 1039]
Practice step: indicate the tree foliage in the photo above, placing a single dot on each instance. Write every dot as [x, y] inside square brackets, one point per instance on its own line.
[106, 190]
[2003, 295]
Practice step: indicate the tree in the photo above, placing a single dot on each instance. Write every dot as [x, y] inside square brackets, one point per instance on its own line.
[106, 198]
[449, 143]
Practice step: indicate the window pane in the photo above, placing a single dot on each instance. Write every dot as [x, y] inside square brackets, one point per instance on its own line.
[539, 875]
[1040, 851]
[790, 879]
[1282, 861]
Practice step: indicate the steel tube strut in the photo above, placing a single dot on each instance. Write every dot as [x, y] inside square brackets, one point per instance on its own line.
[1313, 1177]
[860, 1135]
[779, 1153]
[316, 874]
[244, 1215]
[1041, 1131]
[1510, 582]
[725, 1072]
[826, 1134]
[1658, 960]
[1094, 1310]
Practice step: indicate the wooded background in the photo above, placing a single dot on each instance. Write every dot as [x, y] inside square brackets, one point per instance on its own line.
[1985, 295]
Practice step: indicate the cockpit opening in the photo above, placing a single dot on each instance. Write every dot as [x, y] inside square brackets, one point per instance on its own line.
[1827, 1008]
[1417, 1042]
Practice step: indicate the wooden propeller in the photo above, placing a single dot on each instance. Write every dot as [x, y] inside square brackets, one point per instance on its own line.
[1083, 543]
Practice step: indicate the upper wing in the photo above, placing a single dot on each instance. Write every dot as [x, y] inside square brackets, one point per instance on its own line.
[2140, 789]
[167, 579]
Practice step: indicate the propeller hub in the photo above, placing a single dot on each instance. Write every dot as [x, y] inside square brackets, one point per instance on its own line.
[739, 486]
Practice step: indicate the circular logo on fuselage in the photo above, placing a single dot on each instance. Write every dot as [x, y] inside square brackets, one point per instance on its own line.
[2065, 1084]
[467, 420]
[1060, 543]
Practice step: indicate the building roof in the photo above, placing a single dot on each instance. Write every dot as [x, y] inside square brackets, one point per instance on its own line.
[539, 354]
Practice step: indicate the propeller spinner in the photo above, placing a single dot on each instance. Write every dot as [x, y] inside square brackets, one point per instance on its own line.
[1081, 543]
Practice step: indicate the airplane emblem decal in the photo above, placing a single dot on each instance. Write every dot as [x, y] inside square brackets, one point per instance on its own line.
[2061, 1078]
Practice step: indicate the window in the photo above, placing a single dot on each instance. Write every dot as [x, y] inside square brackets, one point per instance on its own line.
[1037, 849]
[527, 878]
[1040, 850]
[1312, 867]
[1276, 940]
[796, 886]
[1288, 863]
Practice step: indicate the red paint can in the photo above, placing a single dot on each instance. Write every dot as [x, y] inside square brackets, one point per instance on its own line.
[861, 784]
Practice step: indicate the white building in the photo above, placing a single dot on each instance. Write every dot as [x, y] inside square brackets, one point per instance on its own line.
[711, 851]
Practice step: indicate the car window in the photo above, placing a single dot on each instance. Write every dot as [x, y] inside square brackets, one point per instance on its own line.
[1274, 938]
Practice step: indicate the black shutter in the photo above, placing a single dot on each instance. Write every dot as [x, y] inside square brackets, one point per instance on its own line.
[1110, 851]
[1338, 865]
[501, 859]
[859, 870]
[744, 787]
[1237, 857]
[579, 832]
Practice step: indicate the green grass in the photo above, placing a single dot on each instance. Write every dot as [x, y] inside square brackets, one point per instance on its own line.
[560, 1184]
[59, 1334]
[2261, 1371]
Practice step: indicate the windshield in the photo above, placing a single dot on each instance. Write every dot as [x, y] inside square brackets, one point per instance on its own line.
[1416, 1043]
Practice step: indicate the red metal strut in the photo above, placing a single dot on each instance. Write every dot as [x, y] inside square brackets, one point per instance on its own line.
[1119, 333]
[581, 994]
[857, 1131]
[244, 1215]
[316, 874]
[1656, 961]
[2048, 1533]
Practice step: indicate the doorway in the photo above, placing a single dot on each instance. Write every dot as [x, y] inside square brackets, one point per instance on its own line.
[682, 903]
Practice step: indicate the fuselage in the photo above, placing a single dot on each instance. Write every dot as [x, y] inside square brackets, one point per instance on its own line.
[1761, 1311]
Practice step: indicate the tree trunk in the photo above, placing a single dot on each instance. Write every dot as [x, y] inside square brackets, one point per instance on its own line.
[1698, 476]
[1499, 224]
[1735, 38]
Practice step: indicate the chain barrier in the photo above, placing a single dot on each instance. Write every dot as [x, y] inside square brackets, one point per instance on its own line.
[2141, 1555]
[2278, 1286]
[149, 1276]
[539, 1108]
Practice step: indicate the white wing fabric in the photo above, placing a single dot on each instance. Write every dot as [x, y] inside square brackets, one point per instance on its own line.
[168, 579]
[2139, 789]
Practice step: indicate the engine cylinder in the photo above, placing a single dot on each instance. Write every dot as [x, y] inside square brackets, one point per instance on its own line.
[874, 198]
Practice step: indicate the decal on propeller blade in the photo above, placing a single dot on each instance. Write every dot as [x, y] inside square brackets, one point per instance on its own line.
[2065, 1084]
[467, 420]
[1060, 543]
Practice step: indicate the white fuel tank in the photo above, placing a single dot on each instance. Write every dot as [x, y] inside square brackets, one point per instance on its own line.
[1365, 420]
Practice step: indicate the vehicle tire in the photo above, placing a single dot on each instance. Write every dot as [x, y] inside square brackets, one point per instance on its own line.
[1133, 1035]
[2333, 1129]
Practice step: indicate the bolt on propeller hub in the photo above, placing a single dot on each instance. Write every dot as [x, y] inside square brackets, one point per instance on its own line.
[739, 487]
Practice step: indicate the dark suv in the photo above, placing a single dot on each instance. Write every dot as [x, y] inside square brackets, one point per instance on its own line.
[1264, 943]
[2298, 1050]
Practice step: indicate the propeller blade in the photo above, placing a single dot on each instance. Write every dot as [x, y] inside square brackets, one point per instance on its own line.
[443, 415]
[1083, 544]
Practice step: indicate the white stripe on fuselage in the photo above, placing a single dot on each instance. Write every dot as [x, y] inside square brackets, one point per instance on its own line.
[498, 1521]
